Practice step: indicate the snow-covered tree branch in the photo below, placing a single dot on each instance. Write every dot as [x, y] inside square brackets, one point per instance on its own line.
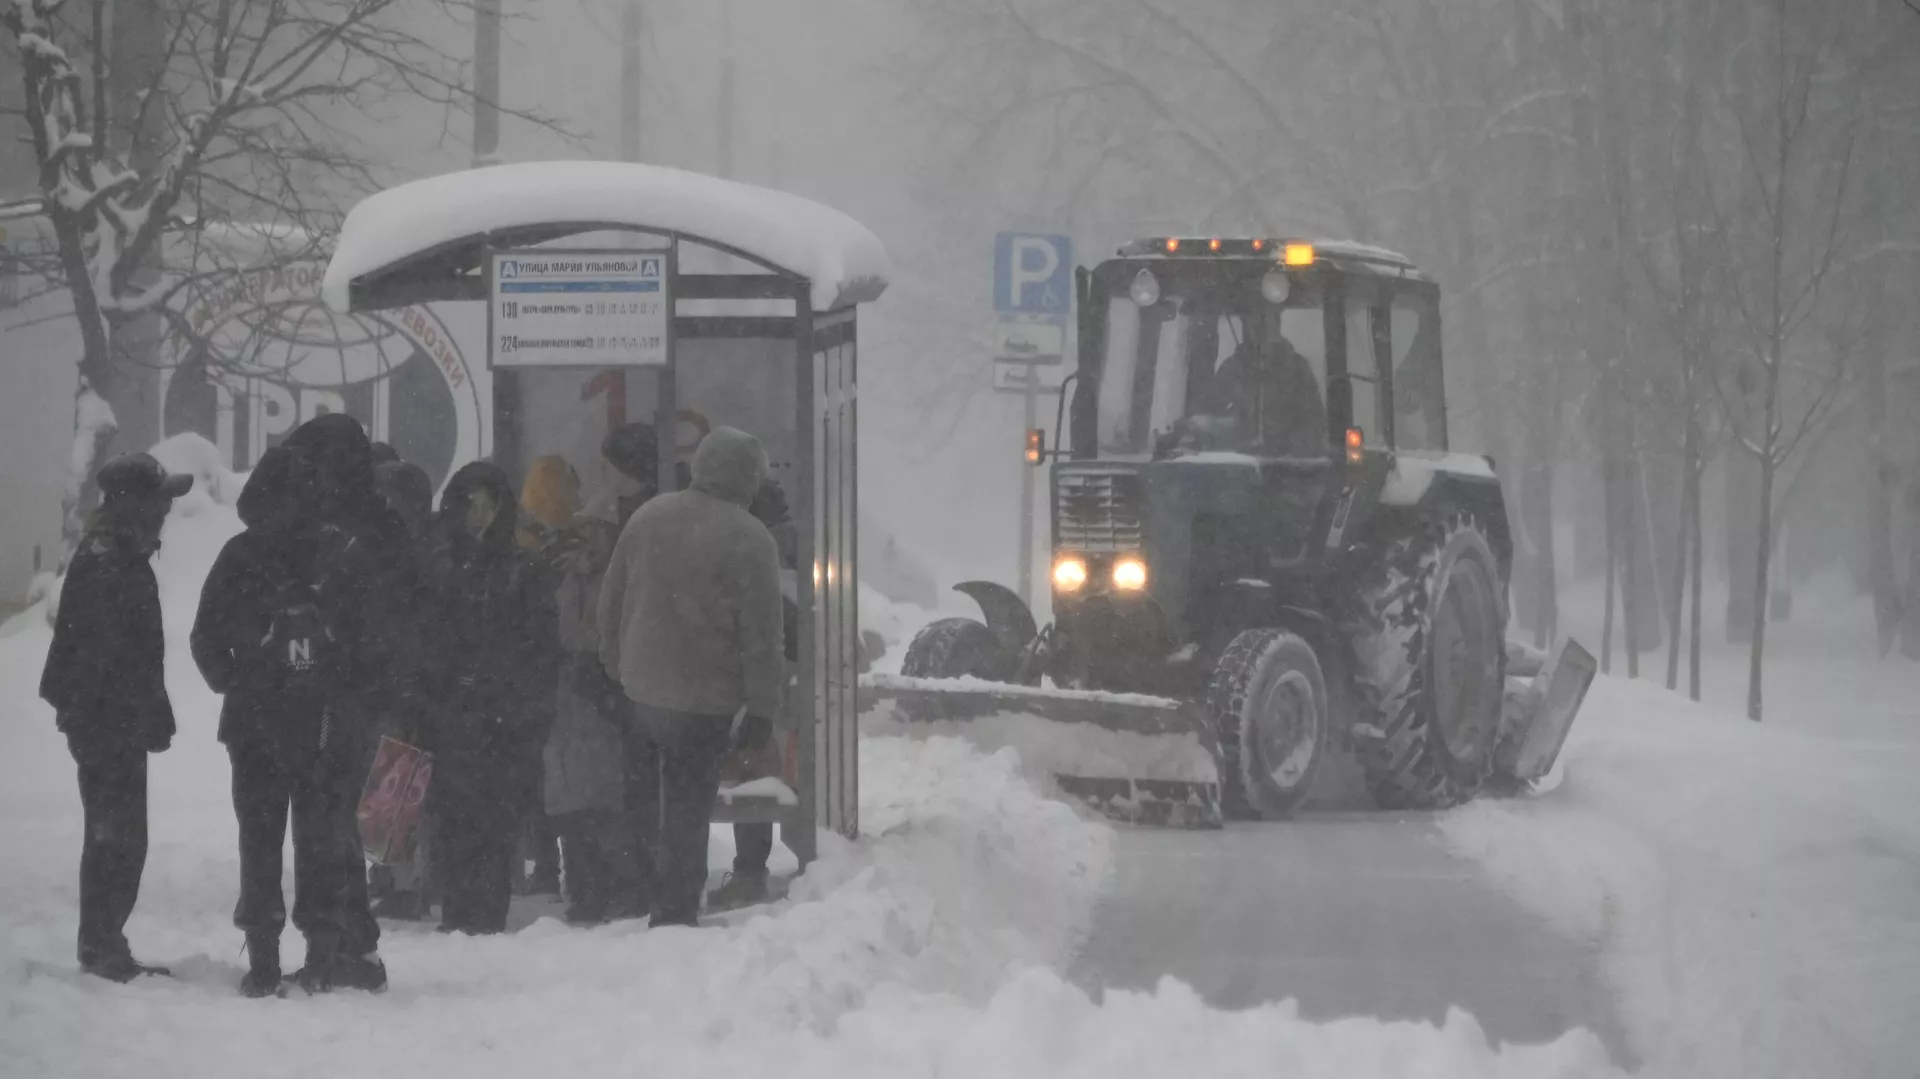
[159, 129]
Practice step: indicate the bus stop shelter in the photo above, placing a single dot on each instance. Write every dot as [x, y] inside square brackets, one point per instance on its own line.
[617, 291]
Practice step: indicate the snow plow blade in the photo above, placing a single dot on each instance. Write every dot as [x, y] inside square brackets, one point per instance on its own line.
[1138, 759]
[1539, 711]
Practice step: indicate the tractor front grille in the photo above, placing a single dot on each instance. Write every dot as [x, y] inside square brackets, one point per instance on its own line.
[1098, 511]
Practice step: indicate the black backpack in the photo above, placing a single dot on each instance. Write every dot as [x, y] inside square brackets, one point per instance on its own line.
[301, 651]
[298, 649]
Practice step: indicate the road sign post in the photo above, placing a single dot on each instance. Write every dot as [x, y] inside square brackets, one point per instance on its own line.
[1033, 292]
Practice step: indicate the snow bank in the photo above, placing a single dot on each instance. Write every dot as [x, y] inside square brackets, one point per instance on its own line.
[1753, 887]
[844, 261]
[1046, 748]
[1050, 746]
[213, 482]
[1007, 689]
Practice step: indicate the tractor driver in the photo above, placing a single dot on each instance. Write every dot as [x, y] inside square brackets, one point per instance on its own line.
[1292, 419]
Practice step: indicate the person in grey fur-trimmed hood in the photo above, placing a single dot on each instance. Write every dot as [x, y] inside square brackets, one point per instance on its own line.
[690, 624]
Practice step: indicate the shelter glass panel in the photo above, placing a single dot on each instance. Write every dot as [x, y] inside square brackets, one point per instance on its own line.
[835, 619]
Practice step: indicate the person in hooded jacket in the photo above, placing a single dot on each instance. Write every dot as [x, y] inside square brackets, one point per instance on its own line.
[690, 619]
[490, 675]
[261, 641]
[377, 577]
[105, 678]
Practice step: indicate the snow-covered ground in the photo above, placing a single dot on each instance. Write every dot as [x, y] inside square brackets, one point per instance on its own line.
[931, 946]
[1756, 887]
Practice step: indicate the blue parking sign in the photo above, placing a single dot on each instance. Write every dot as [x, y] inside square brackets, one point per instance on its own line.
[1033, 275]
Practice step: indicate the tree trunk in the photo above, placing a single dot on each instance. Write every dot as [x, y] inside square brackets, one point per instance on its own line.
[1629, 568]
[1699, 575]
[93, 429]
[1676, 598]
[1606, 624]
[1546, 597]
[1763, 556]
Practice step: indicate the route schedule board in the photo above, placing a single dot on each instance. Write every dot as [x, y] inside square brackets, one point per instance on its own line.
[580, 308]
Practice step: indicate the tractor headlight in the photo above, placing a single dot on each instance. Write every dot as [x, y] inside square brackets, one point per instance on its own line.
[1130, 575]
[1069, 573]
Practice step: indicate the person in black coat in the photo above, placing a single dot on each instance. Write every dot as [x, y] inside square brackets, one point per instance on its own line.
[105, 678]
[292, 629]
[489, 673]
[382, 583]
[274, 721]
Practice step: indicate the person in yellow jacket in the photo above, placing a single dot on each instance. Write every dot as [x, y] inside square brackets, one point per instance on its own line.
[549, 498]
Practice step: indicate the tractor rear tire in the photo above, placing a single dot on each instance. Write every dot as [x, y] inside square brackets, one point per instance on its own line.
[1268, 699]
[1429, 643]
[955, 648]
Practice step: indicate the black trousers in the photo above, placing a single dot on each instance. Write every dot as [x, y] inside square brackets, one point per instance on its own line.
[265, 788]
[360, 932]
[753, 843]
[113, 855]
[673, 776]
[474, 837]
[752, 848]
[593, 855]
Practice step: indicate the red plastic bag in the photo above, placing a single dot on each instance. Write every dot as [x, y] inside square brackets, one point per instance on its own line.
[746, 765]
[392, 801]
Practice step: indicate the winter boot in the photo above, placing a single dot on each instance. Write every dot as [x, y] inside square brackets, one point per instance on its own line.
[739, 889]
[263, 965]
[317, 975]
[120, 967]
[360, 972]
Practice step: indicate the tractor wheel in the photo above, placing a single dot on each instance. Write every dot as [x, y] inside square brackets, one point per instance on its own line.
[1268, 703]
[1430, 665]
[955, 648]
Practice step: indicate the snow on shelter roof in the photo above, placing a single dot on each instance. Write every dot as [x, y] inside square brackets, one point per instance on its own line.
[843, 260]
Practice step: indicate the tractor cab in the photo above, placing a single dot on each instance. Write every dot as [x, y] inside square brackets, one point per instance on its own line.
[1231, 396]
[1271, 348]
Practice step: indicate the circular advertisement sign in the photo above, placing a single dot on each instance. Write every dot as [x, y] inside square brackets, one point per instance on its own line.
[266, 355]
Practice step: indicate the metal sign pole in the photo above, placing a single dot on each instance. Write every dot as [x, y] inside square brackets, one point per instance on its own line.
[1032, 398]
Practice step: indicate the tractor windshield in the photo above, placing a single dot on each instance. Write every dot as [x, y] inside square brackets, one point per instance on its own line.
[1216, 368]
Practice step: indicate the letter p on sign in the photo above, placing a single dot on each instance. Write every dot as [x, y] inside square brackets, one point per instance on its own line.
[1032, 274]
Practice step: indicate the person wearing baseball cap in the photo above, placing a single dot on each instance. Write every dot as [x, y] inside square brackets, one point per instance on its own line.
[105, 679]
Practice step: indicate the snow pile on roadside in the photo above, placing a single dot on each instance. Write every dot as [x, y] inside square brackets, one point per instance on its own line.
[1047, 748]
[1010, 690]
[1753, 887]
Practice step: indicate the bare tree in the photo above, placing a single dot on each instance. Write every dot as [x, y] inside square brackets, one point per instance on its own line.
[152, 123]
[1796, 116]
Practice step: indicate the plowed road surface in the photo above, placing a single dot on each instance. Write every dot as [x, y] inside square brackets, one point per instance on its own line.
[1354, 913]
